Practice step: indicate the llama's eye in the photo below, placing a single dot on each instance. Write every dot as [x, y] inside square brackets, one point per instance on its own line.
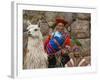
[35, 29]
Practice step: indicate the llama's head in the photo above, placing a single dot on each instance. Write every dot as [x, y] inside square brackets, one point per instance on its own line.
[34, 31]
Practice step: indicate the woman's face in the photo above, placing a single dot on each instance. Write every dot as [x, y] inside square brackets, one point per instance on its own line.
[60, 27]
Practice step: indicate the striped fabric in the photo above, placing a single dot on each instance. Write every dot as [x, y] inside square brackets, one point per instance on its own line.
[55, 43]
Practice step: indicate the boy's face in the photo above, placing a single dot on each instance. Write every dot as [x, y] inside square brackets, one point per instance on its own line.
[77, 54]
[60, 27]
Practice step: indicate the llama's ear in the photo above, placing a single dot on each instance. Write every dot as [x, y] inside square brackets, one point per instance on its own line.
[28, 23]
[38, 27]
[28, 27]
[39, 23]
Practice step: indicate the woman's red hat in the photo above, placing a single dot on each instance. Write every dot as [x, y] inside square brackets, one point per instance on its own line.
[58, 20]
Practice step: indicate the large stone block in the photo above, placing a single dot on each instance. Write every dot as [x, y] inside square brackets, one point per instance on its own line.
[81, 29]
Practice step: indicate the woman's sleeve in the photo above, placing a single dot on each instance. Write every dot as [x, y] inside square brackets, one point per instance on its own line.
[46, 41]
[68, 41]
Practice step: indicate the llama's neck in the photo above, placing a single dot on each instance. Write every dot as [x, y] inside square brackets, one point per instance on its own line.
[32, 42]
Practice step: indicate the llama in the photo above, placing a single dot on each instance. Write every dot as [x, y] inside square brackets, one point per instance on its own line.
[35, 55]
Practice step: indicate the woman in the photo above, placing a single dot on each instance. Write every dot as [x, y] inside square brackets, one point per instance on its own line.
[55, 42]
